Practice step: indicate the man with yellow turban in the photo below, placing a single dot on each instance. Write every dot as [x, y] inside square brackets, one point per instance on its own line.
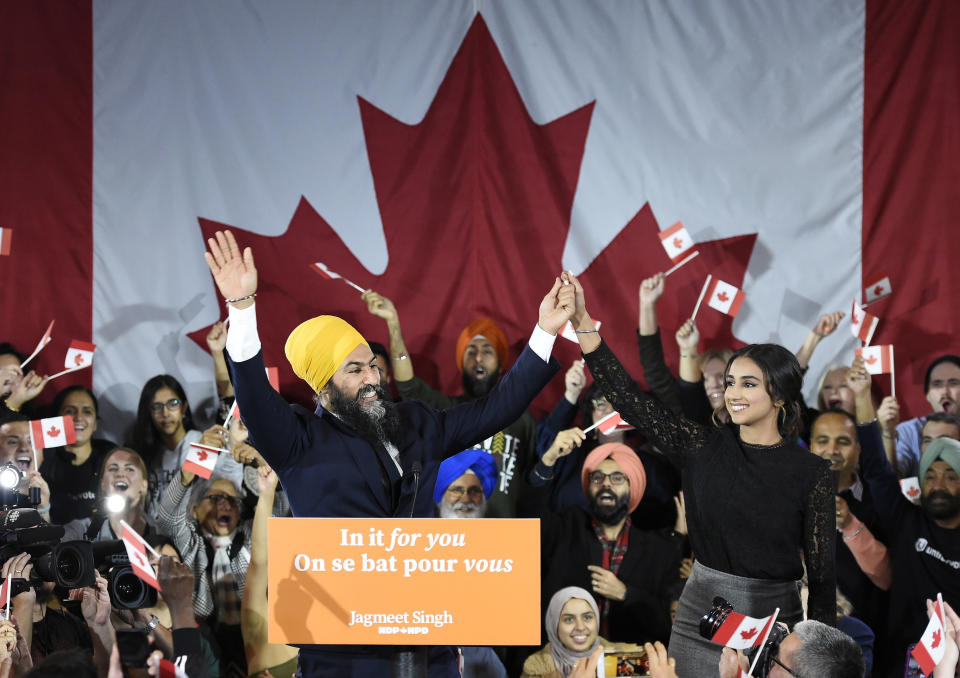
[481, 354]
[360, 455]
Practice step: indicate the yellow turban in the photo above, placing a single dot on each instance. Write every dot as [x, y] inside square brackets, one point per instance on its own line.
[317, 347]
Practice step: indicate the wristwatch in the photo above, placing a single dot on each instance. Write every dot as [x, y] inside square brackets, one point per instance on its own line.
[152, 624]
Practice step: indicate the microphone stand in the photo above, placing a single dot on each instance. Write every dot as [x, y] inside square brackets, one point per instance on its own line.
[411, 661]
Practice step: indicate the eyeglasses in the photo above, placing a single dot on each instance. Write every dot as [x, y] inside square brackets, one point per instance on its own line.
[217, 499]
[774, 660]
[475, 493]
[172, 405]
[616, 478]
[600, 404]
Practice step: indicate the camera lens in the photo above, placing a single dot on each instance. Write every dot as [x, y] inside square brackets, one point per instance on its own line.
[128, 591]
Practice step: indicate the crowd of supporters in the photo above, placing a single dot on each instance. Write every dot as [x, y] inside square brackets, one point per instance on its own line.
[616, 551]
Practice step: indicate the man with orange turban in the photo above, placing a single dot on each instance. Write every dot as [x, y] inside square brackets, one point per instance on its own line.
[482, 353]
[360, 455]
[629, 571]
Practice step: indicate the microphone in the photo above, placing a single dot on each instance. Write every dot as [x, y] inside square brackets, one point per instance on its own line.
[415, 469]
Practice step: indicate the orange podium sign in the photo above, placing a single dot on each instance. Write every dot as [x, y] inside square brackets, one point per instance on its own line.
[404, 581]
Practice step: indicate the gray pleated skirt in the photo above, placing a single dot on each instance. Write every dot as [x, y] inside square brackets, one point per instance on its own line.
[697, 657]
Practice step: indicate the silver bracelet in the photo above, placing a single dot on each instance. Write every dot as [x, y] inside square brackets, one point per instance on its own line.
[859, 530]
[586, 331]
[233, 301]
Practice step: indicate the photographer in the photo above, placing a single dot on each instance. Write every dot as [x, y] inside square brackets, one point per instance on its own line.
[813, 650]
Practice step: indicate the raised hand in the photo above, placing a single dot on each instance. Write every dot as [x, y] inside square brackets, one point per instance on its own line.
[95, 603]
[234, 273]
[574, 381]
[652, 288]
[217, 336]
[688, 337]
[266, 479]
[858, 379]
[888, 414]
[380, 306]
[215, 436]
[557, 307]
[827, 323]
[26, 389]
[565, 442]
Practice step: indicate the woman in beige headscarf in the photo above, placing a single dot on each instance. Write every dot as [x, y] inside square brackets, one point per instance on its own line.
[572, 622]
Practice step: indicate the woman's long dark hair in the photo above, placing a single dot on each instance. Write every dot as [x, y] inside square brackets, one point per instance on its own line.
[784, 381]
[145, 437]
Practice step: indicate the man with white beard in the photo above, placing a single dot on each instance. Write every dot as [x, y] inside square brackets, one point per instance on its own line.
[464, 483]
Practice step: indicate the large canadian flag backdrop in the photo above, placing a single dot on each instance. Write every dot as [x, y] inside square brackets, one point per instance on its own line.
[454, 156]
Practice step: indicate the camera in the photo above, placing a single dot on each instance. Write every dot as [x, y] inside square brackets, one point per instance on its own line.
[69, 564]
[712, 619]
[126, 589]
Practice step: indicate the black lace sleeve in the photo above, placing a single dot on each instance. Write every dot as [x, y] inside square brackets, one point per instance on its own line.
[819, 549]
[672, 434]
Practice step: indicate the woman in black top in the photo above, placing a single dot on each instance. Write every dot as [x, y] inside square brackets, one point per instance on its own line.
[755, 499]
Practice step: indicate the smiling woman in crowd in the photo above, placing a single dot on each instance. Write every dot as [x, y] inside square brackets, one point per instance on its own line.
[73, 471]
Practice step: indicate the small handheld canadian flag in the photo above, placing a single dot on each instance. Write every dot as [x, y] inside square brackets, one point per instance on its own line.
[862, 324]
[911, 489]
[80, 354]
[52, 432]
[137, 553]
[321, 269]
[44, 340]
[878, 288]
[930, 650]
[877, 359]
[5, 236]
[201, 459]
[725, 297]
[676, 241]
[610, 423]
[740, 631]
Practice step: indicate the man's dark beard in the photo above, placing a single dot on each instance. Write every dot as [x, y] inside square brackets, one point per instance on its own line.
[609, 515]
[479, 387]
[375, 424]
[943, 511]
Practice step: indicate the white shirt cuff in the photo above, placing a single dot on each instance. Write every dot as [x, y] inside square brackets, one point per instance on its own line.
[243, 342]
[541, 342]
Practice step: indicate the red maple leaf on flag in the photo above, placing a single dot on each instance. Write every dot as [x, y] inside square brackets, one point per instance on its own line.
[723, 296]
[878, 289]
[678, 242]
[53, 432]
[475, 202]
[78, 359]
[871, 360]
[747, 635]
[913, 492]
[936, 638]
[202, 455]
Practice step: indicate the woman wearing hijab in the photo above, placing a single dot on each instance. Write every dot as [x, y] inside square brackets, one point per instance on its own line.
[572, 624]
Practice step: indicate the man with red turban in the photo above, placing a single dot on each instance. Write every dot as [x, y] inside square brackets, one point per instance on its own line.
[629, 571]
[482, 353]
